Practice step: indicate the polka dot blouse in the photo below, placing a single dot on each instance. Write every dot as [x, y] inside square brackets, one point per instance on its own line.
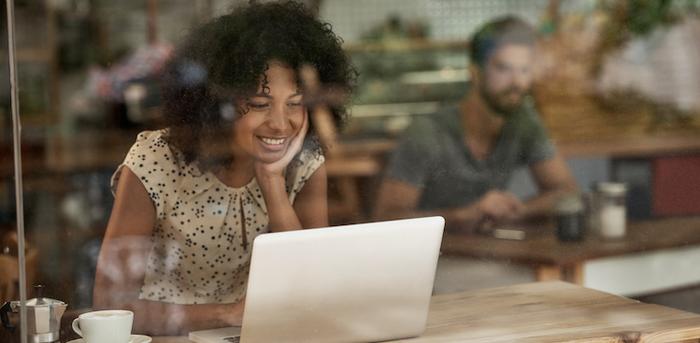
[200, 252]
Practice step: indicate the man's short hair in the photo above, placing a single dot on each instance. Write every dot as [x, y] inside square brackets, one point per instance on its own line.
[499, 32]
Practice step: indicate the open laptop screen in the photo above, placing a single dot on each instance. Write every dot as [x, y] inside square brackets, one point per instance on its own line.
[352, 283]
[363, 282]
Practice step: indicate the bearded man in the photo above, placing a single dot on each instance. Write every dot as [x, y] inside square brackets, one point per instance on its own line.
[457, 163]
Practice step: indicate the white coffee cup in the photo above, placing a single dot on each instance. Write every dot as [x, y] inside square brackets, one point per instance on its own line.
[109, 326]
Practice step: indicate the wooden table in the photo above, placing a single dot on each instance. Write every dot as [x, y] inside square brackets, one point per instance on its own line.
[555, 260]
[547, 312]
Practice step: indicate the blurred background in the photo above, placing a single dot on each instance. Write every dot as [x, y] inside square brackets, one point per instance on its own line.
[618, 87]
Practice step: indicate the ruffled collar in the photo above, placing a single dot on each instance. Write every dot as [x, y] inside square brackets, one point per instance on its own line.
[198, 184]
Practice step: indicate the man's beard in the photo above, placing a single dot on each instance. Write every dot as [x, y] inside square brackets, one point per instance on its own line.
[501, 103]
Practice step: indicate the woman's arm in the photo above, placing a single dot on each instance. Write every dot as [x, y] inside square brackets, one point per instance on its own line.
[271, 179]
[311, 204]
[309, 209]
[122, 264]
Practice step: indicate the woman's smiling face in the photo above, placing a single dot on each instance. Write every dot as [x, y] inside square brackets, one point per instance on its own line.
[275, 115]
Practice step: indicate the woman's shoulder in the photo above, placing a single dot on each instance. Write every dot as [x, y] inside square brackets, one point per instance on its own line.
[314, 153]
[308, 159]
[311, 153]
[152, 158]
[153, 147]
[151, 140]
[302, 168]
[160, 168]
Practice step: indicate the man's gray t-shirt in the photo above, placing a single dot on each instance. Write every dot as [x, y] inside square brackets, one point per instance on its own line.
[433, 157]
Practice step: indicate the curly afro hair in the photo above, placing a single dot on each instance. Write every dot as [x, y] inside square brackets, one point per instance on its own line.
[224, 61]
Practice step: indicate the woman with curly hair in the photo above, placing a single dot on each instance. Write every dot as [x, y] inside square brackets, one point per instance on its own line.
[239, 158]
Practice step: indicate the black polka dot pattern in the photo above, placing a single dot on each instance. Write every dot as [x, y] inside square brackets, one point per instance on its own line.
[199, 253]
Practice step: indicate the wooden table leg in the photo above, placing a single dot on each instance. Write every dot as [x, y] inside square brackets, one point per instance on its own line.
[570, 273]
[548, 273]
[574, 273]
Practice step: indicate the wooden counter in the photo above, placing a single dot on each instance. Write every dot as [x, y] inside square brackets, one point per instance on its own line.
[547, 312]
[553, 259]
[628, 147]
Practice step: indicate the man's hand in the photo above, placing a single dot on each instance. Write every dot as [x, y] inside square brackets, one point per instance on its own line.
[499, 206]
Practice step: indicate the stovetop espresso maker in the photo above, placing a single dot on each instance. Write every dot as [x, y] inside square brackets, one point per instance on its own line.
[43, 317]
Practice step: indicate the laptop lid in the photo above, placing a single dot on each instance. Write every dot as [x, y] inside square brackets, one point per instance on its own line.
[363, 282]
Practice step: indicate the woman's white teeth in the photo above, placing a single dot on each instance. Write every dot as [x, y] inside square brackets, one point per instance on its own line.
[272, 141]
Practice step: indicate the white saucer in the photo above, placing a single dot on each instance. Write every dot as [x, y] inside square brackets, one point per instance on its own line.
[133, 339]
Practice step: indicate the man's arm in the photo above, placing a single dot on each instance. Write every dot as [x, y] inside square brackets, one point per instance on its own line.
[399, 199]
[553, 180]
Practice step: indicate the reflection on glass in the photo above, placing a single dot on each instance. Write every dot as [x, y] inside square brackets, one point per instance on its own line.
[613, 83]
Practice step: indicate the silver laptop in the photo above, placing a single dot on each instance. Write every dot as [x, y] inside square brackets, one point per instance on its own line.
[353, 283]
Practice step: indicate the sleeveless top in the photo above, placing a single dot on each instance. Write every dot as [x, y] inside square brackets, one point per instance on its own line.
[200, 253]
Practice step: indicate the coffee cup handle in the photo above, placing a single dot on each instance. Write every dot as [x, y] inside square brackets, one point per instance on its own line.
[76, 327]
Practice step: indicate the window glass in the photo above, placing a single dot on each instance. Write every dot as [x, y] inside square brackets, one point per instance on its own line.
[576, 147]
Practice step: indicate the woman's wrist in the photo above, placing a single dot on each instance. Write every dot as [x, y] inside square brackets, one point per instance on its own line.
[273, 188]
[270, 181]
[232, 314]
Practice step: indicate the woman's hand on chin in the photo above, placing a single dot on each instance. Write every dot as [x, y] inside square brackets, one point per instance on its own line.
[273, 169]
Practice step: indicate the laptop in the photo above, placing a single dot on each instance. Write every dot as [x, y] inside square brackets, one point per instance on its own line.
[353, 283]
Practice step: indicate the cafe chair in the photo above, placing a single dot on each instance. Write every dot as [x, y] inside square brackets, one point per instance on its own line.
[9, 267]
[346, 166]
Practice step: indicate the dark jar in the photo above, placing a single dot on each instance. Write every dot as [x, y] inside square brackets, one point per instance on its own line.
[570, 218]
